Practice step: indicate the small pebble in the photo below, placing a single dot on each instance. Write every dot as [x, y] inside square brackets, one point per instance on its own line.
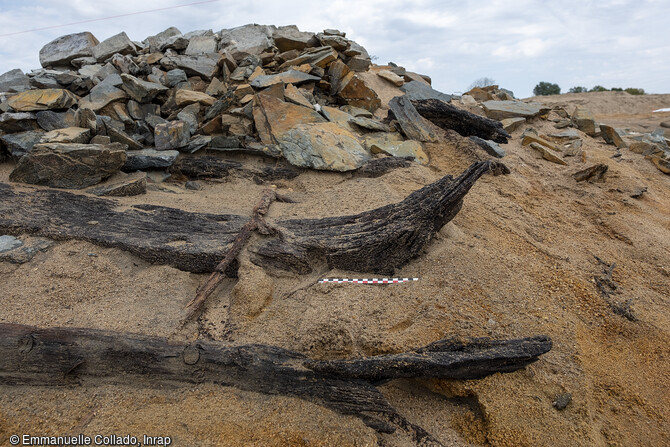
[93, 222]
[193, 185]
[562, 401]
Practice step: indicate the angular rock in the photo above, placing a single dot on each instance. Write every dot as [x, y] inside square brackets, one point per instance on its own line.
[289, 37]
[566, 135]
[294, 95]
[662, 164]
[413, 125]
[612, 136]
[369, 124]
[157, 41]
[119, 43]
[14, 81]
[530, 136]
[141, 91]
[176, 76]
[149, 159]
[196, 143]
[480, 94]
[323, 146]
[171, 135]
[50, 120]
[61, 51]
[391, 77]
[123, 185]
[595, 173]
[100, 96]
[643, 147]
[120, 136]
[583, 120]
[512, 124]
[203, 65]
[201, 45]
[338, 42]
[69, 165]
[17, 122]
[27, 251]
[47, 99]
[416, 90]
[287, 77]
[67, 135]
[8, 243]
[247, 39]
[354, 91]
[185, 97]
[274, 117]
[359, 64]
[21, 143]
[513, 109]
[547, 155]
[318, 57]
[490, 147]
[393, 144]
[337, 72]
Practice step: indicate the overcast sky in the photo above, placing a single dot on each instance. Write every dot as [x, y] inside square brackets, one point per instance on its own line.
[614, 43]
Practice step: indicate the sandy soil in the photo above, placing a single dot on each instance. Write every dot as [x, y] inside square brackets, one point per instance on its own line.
[518, 260]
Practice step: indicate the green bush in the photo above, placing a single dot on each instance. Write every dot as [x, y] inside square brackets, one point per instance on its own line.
[546, 88]
[578, 90]
[635, 91]
[598, 88]
[617, 89]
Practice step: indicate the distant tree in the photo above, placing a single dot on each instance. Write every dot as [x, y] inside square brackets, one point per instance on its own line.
[598, 88]
[616, 89]
[578, 90]
[546, 88]
[482, 82]
[635, 91]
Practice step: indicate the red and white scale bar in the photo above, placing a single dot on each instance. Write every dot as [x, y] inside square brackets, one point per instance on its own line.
[368, 281]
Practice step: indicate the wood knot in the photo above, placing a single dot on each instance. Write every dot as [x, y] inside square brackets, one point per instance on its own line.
[191, 354]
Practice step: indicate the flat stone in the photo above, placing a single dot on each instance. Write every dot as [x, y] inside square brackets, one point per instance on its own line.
[100, 96]
[391, 77]
[171, 135]
[156, 42]
[416, 90]
[176, 76]
[529, 137]
[568, 135]
[593, 174]
[499, 110]
[394, 145]
[119, 43]
[643, 147]
[20, 143]
[369, 124]
[354, 91]
[27, 251]
[319, 57]
[47, 99]
[359, 64]
[141, 91]
[323, 146]
[50, 120]
[246, 39]
[546, 154]
[293, 94]
[340, 117]
[512, 124]
[69, 165]
[14, 81]
[11, 122]
[612, 136]
[196, 143]
[203, 65]
[123, 185]
[59, 52]
[289, 37]
[490, 147]
[120, 136]
[149, 159]
[185, 97]
[584, 120]
[67, 135]
[413, 125]
[9, 243]
[201, 45]
[274, 117]
[287, 77]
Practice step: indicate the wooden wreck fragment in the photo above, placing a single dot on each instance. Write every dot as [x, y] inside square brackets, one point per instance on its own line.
[199, 167]
[465, 123]
[70, 356]
[376, 241]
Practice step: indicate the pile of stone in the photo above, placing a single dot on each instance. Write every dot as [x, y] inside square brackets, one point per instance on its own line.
[98, 108]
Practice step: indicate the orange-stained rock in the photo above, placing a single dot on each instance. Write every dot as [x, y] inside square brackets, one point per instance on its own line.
[274, 117]
[185, 97]
[45, 99]
[354, 91]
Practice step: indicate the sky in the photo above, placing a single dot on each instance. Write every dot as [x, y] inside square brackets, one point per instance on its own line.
[518, 43]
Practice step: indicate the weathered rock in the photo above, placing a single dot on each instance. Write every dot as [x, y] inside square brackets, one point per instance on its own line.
[157, 41]
[512, 109]
[47, 99]
[562, 123]
[100, 96]
[512, 124]
[120, 136]
[67, 135]
[480, 94]
[369, 124]
[391, 77]
[196, 143]
[530, 136]
[490, 147]
[14, 81]
[17, 122]
[189, 115]
[274, 117]
[416, 90]
[294, 95]
[338, 42]
[612, 136]
[661, 164]
[216, 88]
[546, 154]
[413, 125]
[123, 185]
[201, 45]
[643, 147]
[185, 97]
[338, 116]
[354, 91]
[566, 135]
[59, 52]
[583, 120]
[324, 146]
[119, 43]
[176, 76]
[171, 135]
[50, 120]
[69, 165]
[141, 91]
[287, 77]
[20, 143]
[203, 65]
[289, 37]
[8, 243]
[393, 144]
[359, 64]
[595, 173]
[27, 250]
[149, 159]
[247, 39]
[318, 57]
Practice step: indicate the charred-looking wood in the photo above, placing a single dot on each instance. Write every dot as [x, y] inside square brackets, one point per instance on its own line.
[465, 123]
[376, 241]
[380, 166]
[198, 167]
[70, 356]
